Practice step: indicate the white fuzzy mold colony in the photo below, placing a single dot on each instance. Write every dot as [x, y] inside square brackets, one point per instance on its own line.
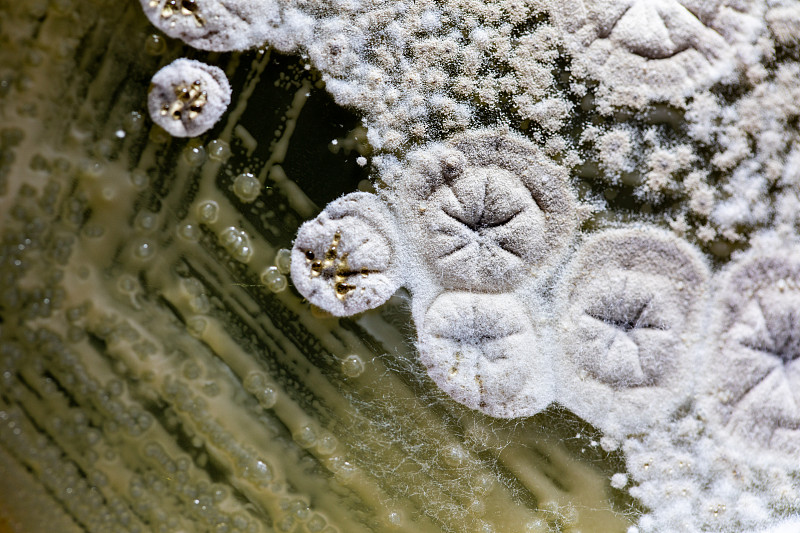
[756, 396]
[487, 217]
[633, 301]
[592, 203]
[659, 50]
[223, 25]
[188, 97]
[345, 260]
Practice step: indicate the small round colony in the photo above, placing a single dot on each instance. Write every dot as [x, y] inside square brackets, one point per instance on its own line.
[188, 97]
[344, 261]
[755, 390]
[632, 301]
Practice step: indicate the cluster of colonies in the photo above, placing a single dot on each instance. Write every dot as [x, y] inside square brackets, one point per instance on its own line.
[507, 323]
[479, 227]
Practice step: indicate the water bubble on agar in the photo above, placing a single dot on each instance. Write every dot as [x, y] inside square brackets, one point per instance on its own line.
[267, 397]
[139, 179]
[208, 211]
[190, 232]
[327, 444]
[352, 366]
[305, 437]
[196, 326]
[273, 279]
[254, 381]
[144, 250]
[283, 260]
[154, 45]
[195, 155]
[246, 187]
[219, 150]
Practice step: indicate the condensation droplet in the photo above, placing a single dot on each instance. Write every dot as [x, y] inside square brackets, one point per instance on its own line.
[191, 370]
[315, 524]
[200, 304]
[195, 155]
[237, 243]
[283, 260]
[242, 253]
[154, 45]
[134, 122]
[454, 456]
[144, 250]
[305, 436]
[326, 444]
[254, 381]
[196, 325]
[230, 236]
[246, 187]
[267, 397]
[262, 471]
[352, 366]
[208, 211]
[146, 221]
[93, 231]
[190, 232]
[219, 150]
[127, 284]
[273, 279]
[394, 518]
[139, 179]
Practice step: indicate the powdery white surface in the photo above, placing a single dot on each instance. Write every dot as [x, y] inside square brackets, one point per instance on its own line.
[223, 25]
[755, 395]
[789, 525]
[632, 304]
[344, 261]
[483, 350]
[490, 207]
[188, 97]
[650, 50]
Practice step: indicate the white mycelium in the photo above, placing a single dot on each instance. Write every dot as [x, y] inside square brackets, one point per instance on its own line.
[756, 391]
[633, 301]
[222, 25]
[188, 97]
[650, 50]
[484, 351]
[490, 207]
[344, 261]
[687, 119]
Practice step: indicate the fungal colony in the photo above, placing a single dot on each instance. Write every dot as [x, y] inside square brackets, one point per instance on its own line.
[567, 295]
